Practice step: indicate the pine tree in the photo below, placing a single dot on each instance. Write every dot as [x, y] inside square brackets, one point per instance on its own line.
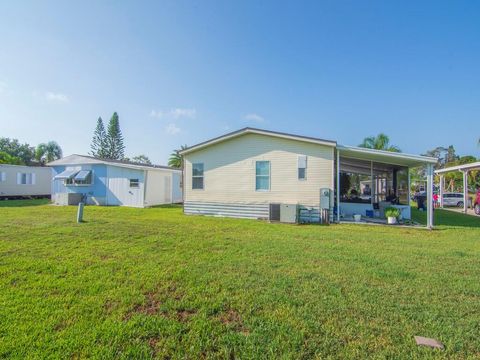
[115, 146]
[99, 141]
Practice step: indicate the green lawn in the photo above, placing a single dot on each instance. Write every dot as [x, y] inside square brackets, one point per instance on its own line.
[141, 283]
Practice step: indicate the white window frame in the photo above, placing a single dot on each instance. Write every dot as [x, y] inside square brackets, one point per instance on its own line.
[269, 176]
[134, 180]
[305, 168]
[27, 183]
[199, 176]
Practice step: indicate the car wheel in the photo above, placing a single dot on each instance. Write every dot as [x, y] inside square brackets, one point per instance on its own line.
[477, 209]
[460, 204]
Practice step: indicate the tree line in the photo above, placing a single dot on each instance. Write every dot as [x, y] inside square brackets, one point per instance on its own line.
[14, 153]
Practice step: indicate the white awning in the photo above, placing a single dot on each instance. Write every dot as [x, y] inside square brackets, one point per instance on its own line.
[67, 174]
[82, 175]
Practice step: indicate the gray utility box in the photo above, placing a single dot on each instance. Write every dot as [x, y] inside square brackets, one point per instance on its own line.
[324, 198]
[288, 213]
[68, 198]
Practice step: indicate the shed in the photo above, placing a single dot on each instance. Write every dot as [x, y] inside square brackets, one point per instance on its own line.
[114, 183]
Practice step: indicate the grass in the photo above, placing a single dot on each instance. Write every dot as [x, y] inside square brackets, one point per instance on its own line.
[143, 283]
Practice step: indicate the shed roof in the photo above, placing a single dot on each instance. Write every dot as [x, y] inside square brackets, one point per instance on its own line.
[76, 159]
[249, 130]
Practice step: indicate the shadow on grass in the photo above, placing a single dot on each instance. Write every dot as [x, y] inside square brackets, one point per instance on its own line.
[23, 203]
[447, 218]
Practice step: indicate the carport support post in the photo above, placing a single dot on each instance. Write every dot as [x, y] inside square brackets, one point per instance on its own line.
[442, 186]
[338, 186]
[465, 191]
[430, 196]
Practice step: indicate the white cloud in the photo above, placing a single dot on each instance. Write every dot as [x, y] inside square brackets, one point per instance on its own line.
[174, 113]
[254, 117]
[172, 129]
[56, 97]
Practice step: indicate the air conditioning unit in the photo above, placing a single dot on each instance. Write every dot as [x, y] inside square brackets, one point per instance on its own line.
[288, 213]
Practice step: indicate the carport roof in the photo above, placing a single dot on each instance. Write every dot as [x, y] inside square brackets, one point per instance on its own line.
[464, 167]
[385, 157]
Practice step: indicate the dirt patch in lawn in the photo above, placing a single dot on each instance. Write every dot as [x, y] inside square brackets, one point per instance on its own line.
[232, 319]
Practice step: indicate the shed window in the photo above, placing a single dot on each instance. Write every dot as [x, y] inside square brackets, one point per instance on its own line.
[197, 176]
[3, 176]
[302, 167]
[25, 178]
[134, 183]
[84, 177]
[262, 175]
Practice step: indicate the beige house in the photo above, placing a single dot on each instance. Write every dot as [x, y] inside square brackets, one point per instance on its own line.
[25, 181]
[254, 173]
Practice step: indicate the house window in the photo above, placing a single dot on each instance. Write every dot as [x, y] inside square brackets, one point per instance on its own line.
[262, 175]
[25, 178]
[134, 183]
[3, 176]
[302, 167]
[197, 176]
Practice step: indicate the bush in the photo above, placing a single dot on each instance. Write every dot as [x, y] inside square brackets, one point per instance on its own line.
[392, 212]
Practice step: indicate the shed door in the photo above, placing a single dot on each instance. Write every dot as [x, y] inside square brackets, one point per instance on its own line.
[125, 187]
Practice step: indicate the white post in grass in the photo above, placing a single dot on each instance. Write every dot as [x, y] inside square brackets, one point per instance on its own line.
[430, 196]
[465, 191]
[338, 186]
[442, 186]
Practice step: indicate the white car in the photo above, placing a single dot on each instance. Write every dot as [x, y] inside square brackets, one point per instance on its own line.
[453, 199]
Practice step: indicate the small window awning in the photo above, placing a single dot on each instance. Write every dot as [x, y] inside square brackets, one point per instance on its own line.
[82, 175]
[67, 174]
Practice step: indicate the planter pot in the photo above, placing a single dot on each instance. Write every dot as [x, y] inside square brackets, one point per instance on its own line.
[391, 220]
[357, 217]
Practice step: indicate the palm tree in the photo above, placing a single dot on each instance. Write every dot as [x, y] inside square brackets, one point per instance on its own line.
[175, 159]
[379, 142]
[48, 152]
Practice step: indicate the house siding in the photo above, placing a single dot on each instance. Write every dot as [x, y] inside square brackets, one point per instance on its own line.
[96, 193]
[9, 187]
[229, 171]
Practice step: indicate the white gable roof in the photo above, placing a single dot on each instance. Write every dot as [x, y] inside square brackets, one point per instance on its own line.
[249, 130]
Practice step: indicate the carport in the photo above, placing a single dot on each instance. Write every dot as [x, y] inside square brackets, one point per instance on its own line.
[464, 169]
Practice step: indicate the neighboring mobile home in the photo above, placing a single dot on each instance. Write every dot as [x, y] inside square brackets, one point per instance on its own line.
[17, 181]
[110, 182]
[254, 173]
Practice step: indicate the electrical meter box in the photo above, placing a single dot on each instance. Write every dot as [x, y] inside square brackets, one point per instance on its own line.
[325, 198]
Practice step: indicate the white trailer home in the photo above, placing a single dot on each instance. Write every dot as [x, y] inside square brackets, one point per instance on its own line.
[111, 182]
[18, 181]
[261, 174]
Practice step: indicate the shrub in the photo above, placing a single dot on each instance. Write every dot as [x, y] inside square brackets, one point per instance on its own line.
[392, 212]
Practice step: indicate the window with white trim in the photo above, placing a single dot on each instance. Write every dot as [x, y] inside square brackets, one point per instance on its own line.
[197, 176]
[25, 178]
[262, 175]
[134, 183]
[302, 167]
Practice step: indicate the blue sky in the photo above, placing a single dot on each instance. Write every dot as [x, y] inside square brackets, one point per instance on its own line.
[180, 72]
